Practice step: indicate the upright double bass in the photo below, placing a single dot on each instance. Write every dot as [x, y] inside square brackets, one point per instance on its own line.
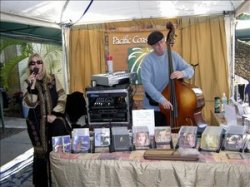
[187, 99]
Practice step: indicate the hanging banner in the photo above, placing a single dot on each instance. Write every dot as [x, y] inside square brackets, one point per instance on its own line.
[120, 42]
[128, 50]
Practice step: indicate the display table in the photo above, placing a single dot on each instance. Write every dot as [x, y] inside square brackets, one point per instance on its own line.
[130, 169]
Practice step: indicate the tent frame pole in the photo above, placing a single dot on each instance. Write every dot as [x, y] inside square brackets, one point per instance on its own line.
[65, 35]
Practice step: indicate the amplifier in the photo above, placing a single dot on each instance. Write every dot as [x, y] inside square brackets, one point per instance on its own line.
[111, 79]
[109, 105]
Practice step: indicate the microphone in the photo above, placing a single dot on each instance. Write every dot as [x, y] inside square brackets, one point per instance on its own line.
[35, 70]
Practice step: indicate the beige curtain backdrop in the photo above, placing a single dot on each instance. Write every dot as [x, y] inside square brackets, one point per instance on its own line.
[201, 40]
[204, 43]
[86, 54]
[87, 48]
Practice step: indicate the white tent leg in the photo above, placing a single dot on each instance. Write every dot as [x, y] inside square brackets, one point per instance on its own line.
[65, 44]
[230, 34]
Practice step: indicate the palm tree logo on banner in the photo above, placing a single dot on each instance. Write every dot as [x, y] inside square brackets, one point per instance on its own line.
[135, 57]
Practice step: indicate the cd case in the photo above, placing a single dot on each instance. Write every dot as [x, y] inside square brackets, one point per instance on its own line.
[163, 138]
[61, 143]
[141, 139]
[211, 139]
[101, 140]
[187, 137]
[120, 139]
[80, 140]
[234, 138]
[102, 137]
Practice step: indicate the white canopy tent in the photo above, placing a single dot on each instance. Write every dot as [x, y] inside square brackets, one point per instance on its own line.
[62, 14]
[55, 13]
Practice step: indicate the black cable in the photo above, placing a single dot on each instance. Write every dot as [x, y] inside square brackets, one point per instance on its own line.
[84, 12]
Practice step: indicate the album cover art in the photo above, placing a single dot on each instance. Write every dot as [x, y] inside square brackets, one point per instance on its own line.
[162, 134]
[81, 144]
[121, 139]
[66, 143]
[187, 137]
[141, 139]
[234, 138]
[210, 142]
[61, 143]
[233, 142]
[121, 142]
[81, 140]
[57, 144]
[102, 137]
[211, 138]
[163, 138]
